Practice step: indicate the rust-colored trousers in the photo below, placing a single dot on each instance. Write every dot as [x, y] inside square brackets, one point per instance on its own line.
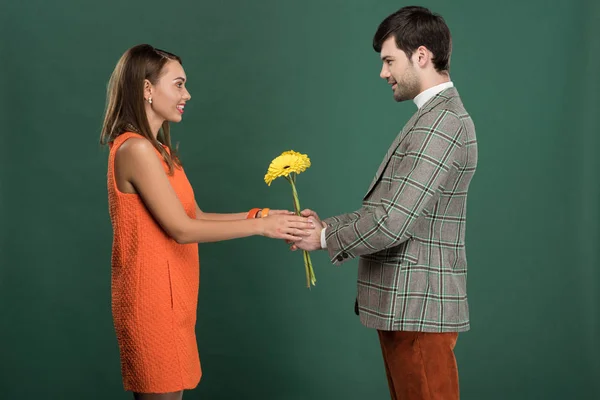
[420, 365]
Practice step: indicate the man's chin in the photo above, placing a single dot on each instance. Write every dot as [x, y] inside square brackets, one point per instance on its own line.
[399, 97]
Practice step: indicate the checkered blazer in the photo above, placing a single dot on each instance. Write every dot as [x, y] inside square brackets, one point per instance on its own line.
[409, 233]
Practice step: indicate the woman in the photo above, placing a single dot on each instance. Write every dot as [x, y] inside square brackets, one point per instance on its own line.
[157, 225]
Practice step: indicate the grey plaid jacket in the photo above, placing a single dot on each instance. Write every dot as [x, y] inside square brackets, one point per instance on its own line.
[410, 231]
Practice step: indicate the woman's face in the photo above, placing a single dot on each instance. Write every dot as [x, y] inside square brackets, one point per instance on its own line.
[169, 94]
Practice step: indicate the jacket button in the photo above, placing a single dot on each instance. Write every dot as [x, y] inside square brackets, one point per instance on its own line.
[339, 257]
[345, 255]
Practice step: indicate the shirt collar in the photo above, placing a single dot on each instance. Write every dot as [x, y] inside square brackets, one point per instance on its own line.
[426, 95]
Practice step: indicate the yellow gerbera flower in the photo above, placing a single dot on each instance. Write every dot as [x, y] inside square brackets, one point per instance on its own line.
[288, 162]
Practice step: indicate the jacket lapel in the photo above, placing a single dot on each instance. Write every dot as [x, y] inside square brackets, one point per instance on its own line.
[433, 102]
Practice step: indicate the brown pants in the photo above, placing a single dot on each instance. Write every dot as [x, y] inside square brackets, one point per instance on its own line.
[420, 365]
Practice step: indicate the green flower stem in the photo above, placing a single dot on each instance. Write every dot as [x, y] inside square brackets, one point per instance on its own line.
[306, 270]
[310, 273]
[295, 194]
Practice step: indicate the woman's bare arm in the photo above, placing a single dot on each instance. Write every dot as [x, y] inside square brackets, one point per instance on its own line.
[136, 163]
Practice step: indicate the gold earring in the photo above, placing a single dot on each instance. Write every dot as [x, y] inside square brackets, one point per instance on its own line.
[150, 100]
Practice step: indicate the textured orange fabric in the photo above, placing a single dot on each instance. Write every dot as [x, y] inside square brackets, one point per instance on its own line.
[154, 285]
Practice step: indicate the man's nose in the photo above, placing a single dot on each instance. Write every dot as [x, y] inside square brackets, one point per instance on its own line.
[385, 73]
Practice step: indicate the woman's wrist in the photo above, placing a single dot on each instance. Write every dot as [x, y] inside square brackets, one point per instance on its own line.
[258, 226]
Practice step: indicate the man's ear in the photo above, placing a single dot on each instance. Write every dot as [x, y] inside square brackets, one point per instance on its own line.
[422, 56]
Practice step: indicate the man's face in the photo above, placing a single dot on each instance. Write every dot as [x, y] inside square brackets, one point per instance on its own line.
[399, 71]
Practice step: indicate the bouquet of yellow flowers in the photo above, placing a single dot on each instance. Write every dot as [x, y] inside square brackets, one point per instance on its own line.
[289, 164]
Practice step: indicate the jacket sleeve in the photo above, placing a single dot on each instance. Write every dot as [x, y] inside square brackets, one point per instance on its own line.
[416, 184]
[343, 218]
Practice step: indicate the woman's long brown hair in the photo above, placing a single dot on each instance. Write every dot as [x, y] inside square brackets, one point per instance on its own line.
[125, 110]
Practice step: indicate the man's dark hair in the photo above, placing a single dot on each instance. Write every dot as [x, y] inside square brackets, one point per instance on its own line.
[415, 26]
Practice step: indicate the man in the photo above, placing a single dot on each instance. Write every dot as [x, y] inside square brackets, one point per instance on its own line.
[410, 231]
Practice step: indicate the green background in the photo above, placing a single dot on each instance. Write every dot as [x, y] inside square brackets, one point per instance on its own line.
[269, 76]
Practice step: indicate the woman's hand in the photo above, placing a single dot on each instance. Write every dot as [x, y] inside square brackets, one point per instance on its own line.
[306, 213]
[286, 226]
[281, 212]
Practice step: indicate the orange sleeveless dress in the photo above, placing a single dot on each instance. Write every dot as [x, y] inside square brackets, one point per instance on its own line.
[154, 285]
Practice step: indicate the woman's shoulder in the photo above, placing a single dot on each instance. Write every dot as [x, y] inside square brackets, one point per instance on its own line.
[135, 147]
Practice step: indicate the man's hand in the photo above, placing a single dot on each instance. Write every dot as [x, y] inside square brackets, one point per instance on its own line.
[312, 242]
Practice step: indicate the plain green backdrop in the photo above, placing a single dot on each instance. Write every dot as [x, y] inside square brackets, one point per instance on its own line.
[269, 76]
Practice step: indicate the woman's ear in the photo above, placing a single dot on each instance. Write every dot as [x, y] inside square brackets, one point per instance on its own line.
[147, 89]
